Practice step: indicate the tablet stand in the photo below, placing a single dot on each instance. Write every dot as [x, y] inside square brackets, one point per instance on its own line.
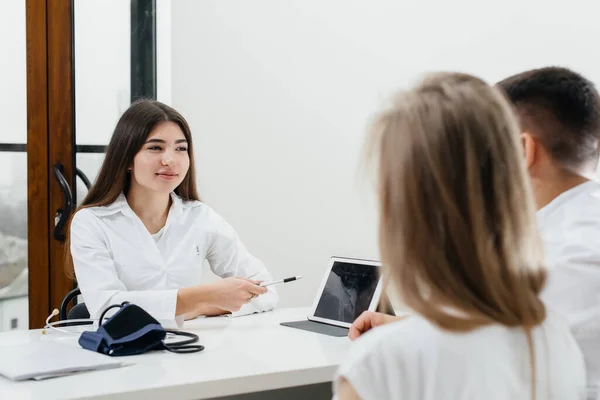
[318, 327]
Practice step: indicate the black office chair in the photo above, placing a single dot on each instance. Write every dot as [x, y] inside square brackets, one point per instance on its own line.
[79, 310]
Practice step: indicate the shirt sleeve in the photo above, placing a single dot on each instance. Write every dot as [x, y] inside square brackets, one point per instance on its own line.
[98, 279]
[374, 369]
[227, 256]
[357, 370]
[573, 285]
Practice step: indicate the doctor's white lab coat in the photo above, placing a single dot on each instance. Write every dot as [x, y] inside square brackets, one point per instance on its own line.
[116, 259]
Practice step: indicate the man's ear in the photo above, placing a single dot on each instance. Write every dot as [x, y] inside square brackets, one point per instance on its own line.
[530, 149]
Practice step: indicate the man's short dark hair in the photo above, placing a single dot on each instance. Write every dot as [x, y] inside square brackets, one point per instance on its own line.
[562, 109]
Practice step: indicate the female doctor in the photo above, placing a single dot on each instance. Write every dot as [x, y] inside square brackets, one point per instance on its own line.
[142, 234]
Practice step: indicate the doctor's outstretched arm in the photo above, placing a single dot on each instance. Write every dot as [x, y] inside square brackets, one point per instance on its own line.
[228, 257]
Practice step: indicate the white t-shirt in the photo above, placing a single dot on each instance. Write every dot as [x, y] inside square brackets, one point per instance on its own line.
[413, 359]
[570, 231]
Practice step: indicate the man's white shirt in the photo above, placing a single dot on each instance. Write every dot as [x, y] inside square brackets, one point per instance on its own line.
[570, 231]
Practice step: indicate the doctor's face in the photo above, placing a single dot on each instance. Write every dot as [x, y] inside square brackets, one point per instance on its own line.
[163, 161]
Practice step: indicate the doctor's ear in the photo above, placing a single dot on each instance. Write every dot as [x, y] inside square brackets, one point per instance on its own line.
[530, 148]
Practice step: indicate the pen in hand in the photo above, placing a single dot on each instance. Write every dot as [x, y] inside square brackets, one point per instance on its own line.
[286, 280]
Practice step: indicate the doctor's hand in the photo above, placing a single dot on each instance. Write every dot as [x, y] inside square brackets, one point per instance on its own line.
[369, 320]
[232, 293]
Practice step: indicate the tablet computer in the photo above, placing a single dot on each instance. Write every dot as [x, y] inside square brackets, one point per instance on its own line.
[349, 287]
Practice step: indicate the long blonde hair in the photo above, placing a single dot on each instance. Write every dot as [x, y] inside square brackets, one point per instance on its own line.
[457, 227]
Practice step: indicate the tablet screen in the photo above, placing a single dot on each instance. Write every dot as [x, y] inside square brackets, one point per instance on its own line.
[348, 291]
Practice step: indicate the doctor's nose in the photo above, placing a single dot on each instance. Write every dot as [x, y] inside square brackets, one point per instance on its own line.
[167, 158]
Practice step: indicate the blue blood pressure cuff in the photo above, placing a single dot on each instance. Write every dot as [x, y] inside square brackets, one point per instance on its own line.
[131, 330]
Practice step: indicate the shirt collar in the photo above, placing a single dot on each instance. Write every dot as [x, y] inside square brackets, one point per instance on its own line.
[177, 206]
[550, 208]
[121, 205]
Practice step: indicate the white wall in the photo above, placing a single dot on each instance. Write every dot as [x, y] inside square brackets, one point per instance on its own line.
[278, 94]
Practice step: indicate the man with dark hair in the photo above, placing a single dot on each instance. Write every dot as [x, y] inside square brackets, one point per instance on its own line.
[559, 113]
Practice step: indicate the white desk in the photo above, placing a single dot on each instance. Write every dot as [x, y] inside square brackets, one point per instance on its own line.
[245, 354]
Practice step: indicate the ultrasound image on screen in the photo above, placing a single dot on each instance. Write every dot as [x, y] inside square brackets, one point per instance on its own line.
[348, 291]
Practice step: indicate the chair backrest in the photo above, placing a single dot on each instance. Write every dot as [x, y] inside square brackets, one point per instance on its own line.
[78, 311]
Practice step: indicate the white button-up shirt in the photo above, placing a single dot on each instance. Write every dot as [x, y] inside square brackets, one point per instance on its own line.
[116, 258]
[570, 231]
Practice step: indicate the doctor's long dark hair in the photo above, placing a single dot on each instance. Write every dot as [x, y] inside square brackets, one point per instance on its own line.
[129, 135]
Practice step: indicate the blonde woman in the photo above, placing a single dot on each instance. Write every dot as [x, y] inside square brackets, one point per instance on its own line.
[458, 236]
